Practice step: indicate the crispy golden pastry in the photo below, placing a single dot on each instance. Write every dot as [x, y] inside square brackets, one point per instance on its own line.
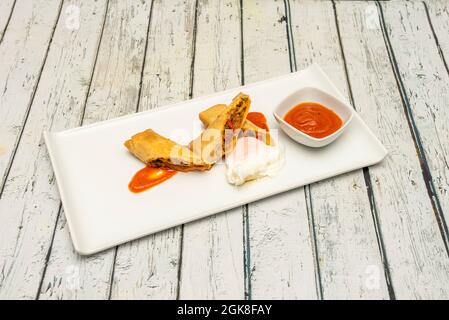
[220, 135]
[249, 129]
[216, 140]
[157, 151]
[210, 114]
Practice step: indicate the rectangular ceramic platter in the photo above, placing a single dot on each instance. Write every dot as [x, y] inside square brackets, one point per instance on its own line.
[93, 168]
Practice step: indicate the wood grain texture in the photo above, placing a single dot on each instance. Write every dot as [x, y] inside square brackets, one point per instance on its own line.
[426, 83]
[280, 250]
[148, 268]
[114, 92]
[6, 8]
[345, 235]
[30, 201]
[23, 51]
[51, 78]
[417, 260]
[212, 255]
[439, 19]
[427, 75]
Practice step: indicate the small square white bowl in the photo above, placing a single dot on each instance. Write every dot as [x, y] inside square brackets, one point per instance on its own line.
[311, 94]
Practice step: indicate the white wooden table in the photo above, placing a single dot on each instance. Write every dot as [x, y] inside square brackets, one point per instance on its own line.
[380, 232]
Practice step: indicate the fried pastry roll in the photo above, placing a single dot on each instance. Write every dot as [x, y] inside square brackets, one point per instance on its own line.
[248, 128]
[157, 151]
[220, 135]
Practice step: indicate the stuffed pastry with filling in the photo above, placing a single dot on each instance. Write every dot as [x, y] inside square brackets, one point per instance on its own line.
[157, 151]
[220, 135]
[249, 129]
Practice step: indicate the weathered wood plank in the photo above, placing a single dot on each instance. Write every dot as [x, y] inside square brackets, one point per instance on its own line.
[438, 15]
[212, 255]
[345, 235]
[23, 51]
[71, 276]
[148, 268]
[424, 78]
[6, 8]
[397, 188]
[114, 91]
[30, 202]
[280, 251]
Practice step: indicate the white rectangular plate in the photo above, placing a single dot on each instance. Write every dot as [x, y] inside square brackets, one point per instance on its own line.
[93, 168]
